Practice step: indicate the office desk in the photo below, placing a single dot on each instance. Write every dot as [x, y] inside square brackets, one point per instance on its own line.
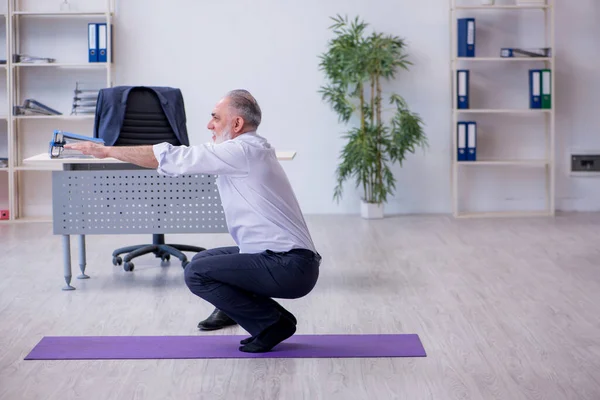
[107, 196]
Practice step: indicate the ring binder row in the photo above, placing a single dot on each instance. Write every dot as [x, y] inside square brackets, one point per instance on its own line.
[97, 42]
[466, 132]
[60, 138]
[84, 102]
[540, 88]
[466, 38]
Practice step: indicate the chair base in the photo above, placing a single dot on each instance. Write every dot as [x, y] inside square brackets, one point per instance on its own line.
[162, 251]
[159, 248]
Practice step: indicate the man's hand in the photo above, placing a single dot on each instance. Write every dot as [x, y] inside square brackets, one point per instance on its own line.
[96, 150]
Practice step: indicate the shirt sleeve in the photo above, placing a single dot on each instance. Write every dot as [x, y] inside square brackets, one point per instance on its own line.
[228, 158]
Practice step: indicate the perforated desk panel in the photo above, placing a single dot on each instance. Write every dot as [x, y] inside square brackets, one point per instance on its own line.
[135, 201]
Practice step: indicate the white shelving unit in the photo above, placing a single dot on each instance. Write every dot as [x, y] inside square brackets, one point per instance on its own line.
[4, 119]
[29, 135]
[546, 163]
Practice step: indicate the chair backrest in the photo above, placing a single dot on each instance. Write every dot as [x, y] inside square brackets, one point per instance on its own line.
[145, 121]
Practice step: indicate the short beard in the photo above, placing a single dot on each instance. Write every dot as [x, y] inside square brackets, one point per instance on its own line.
[226, 134]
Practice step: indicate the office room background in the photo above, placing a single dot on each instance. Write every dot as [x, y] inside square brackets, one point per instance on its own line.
[271, 48]
[506, 308]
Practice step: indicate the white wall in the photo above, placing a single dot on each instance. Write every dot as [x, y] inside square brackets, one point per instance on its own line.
[271, 48]
[578, 104]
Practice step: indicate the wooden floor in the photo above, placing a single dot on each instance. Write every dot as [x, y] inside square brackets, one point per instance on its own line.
[506, 309]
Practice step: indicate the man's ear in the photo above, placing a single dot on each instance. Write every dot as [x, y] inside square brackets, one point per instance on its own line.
[238, 124]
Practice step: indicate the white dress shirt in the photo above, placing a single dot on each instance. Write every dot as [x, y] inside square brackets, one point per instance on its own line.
[260, 207]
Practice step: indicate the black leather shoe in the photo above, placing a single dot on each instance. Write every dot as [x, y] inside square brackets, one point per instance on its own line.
[287, 314]
[284, 313]
[217, 320]
[270, 337]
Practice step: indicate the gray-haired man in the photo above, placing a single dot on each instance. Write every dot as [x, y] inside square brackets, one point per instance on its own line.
[274, 256]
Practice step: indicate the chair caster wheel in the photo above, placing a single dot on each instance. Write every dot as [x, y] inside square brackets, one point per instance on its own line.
[128, 266]
[164, 259]
[117, 260]
[184, 263]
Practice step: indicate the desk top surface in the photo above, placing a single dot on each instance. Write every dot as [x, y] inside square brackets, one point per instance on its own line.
[45, 159]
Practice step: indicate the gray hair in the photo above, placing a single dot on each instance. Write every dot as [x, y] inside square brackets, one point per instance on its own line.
[246, 105]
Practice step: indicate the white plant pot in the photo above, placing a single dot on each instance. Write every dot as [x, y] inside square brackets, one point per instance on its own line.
[371, 210]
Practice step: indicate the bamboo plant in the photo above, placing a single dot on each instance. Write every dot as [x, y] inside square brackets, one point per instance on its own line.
[357, 65]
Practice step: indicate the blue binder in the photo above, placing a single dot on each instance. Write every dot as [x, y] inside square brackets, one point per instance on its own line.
[535, 91]
[60, 138]
[461, 136]
[102, 40]
[466, 37]
[92, 43]
[462, 88]
[472, 141]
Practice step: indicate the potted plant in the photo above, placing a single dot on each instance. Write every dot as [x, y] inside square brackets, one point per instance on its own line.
[357, 65]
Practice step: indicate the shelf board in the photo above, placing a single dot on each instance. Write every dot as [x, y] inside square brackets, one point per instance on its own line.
[63, 65]
[507, 59]
[503, 111]
[506, 162]
[4, 169]
[505, 7]
[61, 117]
[23, 220]
[504, 214]
[63, 13]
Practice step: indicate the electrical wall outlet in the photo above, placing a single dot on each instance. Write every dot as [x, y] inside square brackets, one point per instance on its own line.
[585, 162]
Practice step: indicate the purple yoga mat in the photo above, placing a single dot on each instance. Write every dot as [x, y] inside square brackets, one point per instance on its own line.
[223, 346]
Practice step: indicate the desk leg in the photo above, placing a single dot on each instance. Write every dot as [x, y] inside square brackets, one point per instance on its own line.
[82, 258]
[67, 261]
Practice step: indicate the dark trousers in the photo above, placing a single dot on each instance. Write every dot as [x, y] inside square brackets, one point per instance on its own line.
[242, 285]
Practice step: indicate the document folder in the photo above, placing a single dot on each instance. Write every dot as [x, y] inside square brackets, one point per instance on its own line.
[535, 80]
[92, 43]
[471, 141]
[546, 88]
[462, 88]
[34, 107]
[508, 52]
[461, 133]
[466, 37]
[102, 42]
[60, 138]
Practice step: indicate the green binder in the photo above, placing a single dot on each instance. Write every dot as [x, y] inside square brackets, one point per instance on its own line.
[546, 86]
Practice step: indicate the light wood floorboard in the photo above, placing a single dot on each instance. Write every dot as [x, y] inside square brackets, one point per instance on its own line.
[506, 308]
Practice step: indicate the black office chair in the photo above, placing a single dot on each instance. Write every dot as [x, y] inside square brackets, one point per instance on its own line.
[145, 123]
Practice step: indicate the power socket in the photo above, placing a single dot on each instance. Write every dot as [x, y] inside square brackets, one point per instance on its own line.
[585, 162]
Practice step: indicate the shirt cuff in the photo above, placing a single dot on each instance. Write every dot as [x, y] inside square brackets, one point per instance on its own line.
[160, 150]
